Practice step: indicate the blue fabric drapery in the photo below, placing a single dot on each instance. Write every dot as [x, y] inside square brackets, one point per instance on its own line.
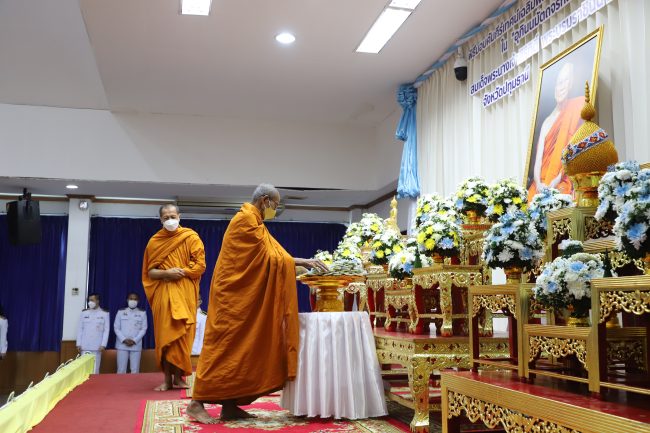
[33, 288]
[117, 247]
[408, 185]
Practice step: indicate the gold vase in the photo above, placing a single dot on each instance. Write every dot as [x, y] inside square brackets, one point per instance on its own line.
[585, 186]
[613, 322]
[646, 261]
[437, 258]
[513, 274]
[578, 322]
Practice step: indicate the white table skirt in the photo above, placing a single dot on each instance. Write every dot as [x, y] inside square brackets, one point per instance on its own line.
[338, 372]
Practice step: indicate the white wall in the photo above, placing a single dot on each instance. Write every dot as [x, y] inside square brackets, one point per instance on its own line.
[65, 143]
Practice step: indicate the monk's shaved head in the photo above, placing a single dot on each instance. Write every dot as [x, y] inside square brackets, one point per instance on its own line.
[265, 189]
[168, 206]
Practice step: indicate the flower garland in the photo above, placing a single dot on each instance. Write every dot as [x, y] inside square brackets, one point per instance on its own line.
[505, 196]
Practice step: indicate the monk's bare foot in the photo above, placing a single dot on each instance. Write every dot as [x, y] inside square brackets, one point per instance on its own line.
[233, 412]
[163, 387]
[197, 412]
[180, 383]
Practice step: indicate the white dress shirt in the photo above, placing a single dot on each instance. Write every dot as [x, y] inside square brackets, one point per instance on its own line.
[130, 323]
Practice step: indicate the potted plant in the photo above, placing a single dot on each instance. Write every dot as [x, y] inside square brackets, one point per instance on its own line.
[545, 201]
[439, 237]
[505, 196]
[471, 199]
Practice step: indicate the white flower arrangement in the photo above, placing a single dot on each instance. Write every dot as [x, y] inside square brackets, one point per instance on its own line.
[347, 249]
[472, 195]
[513, 242]
[566, 283]
[353, 234]
[614, 188]
[370, 226]
[384, 245]
[401, 264]
[545, 201]
[324, 256]
[631, 227]
[429, 205]
[439, 235]
[505, 196]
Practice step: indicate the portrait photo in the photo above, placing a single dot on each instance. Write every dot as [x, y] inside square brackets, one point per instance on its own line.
[560, 98]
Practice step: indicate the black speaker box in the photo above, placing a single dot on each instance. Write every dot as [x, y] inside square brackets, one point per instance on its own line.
[24, 222]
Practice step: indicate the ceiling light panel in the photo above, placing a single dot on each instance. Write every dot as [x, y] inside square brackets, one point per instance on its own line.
[195, 7]
[383, 29]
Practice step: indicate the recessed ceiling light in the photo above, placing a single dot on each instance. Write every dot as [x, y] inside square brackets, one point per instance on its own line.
[285, 38]
[195, 7]
[383, 29]
[71, 186]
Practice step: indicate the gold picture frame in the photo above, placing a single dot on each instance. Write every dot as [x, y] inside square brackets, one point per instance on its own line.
[559, 100]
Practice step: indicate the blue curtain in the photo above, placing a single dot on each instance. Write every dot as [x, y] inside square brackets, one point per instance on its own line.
[408, 185]
[33, 287]
[117, 246]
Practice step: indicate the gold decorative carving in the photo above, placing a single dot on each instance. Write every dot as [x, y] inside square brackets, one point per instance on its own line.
[595, 229]
[494, 303]
[380, 283]
[618, 259]
[419, 370]
[557, 347]
[493, 415]
[398, 301]
[362, 290]
[637, 302]
[561, 227]
[629, 352]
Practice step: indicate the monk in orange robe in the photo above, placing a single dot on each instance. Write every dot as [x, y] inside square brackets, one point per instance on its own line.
[250, 347]
[174, 261]
[554, 135]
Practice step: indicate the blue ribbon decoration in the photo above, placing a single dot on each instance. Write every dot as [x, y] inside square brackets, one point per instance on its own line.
[408, 185]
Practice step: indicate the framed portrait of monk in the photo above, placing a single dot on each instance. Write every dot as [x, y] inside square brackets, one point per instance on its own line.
[560, 98]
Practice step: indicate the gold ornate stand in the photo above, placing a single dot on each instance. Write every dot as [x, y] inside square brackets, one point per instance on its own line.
[329, 290]
[378, 283]
[519, 409]
[421, 356]
[574, 223]
[445, 278]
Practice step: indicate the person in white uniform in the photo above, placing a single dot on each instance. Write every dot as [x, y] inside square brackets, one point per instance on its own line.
[200, 329]
[92, 333]
[4, 325]
[130, 326]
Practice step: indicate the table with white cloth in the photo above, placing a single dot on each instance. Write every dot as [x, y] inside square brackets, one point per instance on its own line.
[338, 372]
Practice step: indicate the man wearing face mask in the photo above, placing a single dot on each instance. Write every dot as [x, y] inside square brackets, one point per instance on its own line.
[250, 347]
[93, 329]
[130, 326]
[174, 261]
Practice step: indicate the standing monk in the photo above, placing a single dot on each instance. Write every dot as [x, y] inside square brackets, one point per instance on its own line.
[250, 347]
[174, 261]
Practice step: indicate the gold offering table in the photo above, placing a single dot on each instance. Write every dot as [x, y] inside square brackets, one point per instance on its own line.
[440, 294]
[378, 282]
[423, 355]
[500, 400]
[329, 289]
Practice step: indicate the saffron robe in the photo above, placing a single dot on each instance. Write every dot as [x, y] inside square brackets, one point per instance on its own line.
[250, 346]
[174, 303]
[566, 124]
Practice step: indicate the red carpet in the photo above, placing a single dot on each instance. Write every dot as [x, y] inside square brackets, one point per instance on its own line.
[112, 403]
[106, 403]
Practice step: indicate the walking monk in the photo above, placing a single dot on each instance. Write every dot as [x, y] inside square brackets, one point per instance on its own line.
[174, 261]
[250, 347]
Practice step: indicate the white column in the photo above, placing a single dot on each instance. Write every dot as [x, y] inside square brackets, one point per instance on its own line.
[76, 265]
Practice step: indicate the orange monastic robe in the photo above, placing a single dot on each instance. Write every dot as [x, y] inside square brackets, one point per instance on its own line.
[251, 335]
[174, 303]
[566, 124]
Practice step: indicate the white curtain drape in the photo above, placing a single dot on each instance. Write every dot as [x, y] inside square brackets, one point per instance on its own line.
[458, 138]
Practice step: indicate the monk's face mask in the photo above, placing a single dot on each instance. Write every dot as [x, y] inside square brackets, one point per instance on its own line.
[171, 224]
[269, 212]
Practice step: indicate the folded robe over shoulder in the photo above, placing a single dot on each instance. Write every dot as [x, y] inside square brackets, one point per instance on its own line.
[174, 303]
[251, 335]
